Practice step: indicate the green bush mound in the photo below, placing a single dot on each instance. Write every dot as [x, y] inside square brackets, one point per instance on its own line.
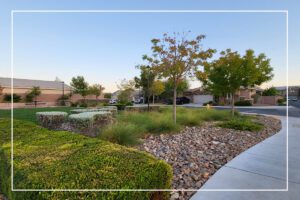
[45, 159]
[242, 123]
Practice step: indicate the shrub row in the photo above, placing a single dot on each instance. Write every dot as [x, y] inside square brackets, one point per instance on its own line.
[45, 159]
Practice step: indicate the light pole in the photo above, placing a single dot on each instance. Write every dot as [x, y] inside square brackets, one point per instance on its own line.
[148, 85]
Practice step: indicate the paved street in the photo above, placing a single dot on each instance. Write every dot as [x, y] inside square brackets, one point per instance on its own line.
[294, 109]
[261, 167]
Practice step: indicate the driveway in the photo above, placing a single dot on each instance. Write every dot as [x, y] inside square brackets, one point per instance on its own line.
[261, 167]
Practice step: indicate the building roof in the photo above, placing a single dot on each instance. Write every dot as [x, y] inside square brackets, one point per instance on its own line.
[27, 83]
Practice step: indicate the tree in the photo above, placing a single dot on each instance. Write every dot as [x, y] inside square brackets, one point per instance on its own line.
[168, 93]
[126, 88]
[157, 88]
[230, 72]
[175, 58]
[80, 86]
[107, 95]
[146, 79]
[271, 91]
[35, 92]
[1, 89]
[96, 90]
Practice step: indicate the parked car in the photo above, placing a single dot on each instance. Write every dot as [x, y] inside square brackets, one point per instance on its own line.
[113, 101]
[138, 101]
[179, 101]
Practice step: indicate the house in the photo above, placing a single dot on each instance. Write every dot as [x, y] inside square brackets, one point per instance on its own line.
[198, 95]
[51, 91]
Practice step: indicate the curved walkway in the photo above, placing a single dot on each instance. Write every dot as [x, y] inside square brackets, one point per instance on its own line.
[261, 167]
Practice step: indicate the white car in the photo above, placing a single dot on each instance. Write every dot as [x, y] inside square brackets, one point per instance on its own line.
[113, 101]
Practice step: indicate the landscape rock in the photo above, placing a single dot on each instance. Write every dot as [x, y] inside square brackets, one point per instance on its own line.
[196, 153]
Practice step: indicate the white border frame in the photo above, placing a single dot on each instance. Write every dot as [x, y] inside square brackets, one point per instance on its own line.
[144, 11]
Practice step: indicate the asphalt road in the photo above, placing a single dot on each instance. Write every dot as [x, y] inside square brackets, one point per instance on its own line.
[293, 111]
[295, 103]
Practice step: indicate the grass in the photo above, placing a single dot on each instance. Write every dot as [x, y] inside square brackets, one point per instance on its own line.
[29, 114]
[45, 159]
[242, 123]
[131, 126]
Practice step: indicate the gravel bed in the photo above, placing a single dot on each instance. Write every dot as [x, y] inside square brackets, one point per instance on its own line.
[196, 153]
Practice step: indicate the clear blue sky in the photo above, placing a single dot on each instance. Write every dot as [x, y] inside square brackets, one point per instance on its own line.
[106, 47]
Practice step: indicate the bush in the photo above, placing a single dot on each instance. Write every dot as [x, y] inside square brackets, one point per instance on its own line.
[121, 133]
[281, 102]
[90, 123]
[243, 103]
[51, 120]
[112, 109]
[150, 122]
[243, 124]
[60, 160]
[16, 98]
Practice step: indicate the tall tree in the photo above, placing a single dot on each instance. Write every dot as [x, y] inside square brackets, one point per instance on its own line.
[175, 57]
[230, 72]
[80, 86]
[96, 90]
[157, 88]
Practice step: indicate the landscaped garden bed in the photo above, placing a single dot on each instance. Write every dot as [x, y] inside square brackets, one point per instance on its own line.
[201, 142]
[197, 152]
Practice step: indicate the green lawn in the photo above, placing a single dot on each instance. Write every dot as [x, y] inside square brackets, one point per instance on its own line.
[28, 114]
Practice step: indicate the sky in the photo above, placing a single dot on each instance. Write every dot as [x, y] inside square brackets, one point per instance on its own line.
[106, 47]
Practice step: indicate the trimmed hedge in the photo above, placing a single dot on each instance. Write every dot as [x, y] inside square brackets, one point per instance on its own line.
[52, 119]
[45, 159]
[90, 122]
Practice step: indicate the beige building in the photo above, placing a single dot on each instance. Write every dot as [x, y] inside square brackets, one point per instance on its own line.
[51, 91]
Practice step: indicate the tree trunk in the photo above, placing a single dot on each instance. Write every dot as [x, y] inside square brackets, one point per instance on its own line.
[174, 104]
[232, 104]
[153, 99]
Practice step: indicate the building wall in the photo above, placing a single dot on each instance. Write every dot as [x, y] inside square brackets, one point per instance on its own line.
[47, 95]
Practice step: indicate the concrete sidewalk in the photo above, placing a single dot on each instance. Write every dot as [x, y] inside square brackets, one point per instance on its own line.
[261, 167]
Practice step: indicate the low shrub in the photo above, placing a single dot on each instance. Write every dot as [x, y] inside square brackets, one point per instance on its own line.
[121, 133]
[60, 160]
[243, 124]
[243, 103]
[112, 109]
[150, 122]
[281, 102]
[51, 120]
[16, 98]
[90, 123]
